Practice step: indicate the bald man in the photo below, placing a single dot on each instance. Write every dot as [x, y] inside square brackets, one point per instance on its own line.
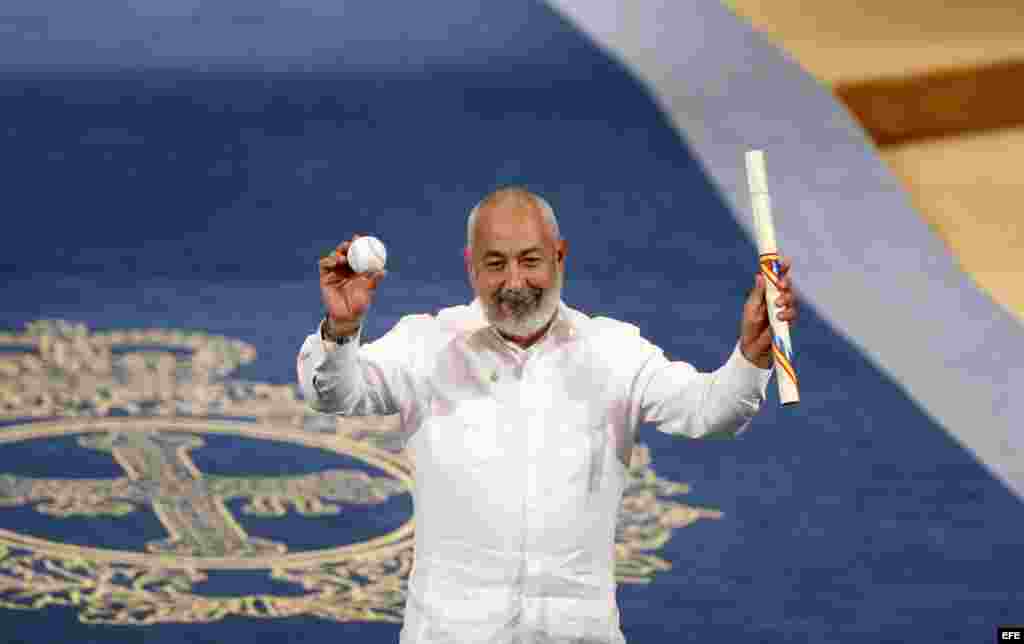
[520, 414]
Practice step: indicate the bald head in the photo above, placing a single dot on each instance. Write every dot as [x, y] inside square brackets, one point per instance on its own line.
[512, 202]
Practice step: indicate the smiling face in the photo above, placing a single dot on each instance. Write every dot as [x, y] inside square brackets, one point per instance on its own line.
[516, 266]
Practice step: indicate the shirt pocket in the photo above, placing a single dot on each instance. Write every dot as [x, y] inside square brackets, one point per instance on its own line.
[464, 432]
[582, 445]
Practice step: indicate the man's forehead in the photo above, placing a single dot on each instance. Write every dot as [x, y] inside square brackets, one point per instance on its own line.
[510, 249]
[503, 225]
[510, 240]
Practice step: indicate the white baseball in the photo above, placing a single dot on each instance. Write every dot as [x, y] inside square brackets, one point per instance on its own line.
[367, 255]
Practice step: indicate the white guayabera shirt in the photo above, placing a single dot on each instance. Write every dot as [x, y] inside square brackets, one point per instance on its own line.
[520, 459]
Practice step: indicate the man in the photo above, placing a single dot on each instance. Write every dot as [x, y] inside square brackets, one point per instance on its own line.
[520, 414]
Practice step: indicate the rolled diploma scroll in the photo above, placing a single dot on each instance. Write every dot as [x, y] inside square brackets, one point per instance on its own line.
[764, 227]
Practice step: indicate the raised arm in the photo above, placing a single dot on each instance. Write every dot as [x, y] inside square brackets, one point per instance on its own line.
[683, 401]
[336, 374]
[721, 403]
[350, 379]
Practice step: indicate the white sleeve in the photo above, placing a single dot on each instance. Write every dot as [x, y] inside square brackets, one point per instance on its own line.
[360, 380]
[683, 401]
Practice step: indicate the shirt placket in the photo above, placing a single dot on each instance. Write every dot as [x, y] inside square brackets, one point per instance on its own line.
[525, 441]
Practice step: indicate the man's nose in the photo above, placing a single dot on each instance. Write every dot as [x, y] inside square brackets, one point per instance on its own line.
[514, 277]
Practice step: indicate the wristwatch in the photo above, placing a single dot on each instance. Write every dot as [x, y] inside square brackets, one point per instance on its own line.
[337, 339]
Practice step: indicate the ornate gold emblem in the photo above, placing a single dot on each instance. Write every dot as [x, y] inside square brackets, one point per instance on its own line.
[147, 398]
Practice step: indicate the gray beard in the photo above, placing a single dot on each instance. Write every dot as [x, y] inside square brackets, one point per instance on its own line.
[529, 313]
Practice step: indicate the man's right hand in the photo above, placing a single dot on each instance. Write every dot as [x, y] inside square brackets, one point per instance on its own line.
[346, 294]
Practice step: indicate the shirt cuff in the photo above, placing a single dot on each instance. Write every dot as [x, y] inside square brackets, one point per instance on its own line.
[335, 353]
[330, 345]
[749, 381]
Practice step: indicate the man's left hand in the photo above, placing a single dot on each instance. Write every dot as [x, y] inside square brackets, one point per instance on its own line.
[755, 329]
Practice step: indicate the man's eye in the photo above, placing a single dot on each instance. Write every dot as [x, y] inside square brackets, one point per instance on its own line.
[494, 266]
[531, 261]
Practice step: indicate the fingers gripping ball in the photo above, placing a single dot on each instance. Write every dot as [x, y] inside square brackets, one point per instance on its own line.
[367, 255]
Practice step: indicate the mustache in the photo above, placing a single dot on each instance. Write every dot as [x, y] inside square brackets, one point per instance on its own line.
[518, 296]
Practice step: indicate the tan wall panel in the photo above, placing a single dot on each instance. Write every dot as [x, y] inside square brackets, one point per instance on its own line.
[971, 191]
[843, 40]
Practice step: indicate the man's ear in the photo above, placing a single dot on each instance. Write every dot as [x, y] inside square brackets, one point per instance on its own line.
[563, 250]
